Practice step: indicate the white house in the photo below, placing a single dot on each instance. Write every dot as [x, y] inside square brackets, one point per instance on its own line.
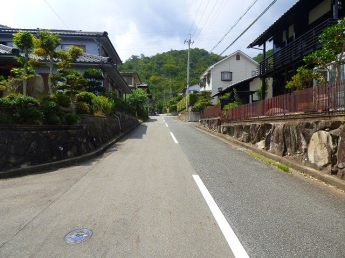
[233, 69]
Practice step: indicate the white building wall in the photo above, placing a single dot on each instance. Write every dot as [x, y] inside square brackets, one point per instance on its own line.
[241, 69]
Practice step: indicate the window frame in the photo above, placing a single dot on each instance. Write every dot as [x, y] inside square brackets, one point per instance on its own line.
[226, 76]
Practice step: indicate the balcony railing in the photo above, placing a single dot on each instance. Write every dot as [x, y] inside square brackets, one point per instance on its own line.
[328, 98]
[296, 50]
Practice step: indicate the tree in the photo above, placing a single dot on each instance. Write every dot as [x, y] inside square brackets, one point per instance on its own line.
[304, 79]
[94, 79]
[332, 52]
[138, 102]
[46, 45]
[262, 95]
[25, 41]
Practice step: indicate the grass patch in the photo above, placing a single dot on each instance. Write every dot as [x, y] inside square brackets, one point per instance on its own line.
[276, 164]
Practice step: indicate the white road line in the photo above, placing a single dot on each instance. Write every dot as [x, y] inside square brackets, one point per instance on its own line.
[228, 233]
[172, 135]
[166, 124]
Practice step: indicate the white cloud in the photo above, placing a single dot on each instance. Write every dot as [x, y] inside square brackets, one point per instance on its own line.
[149, 26]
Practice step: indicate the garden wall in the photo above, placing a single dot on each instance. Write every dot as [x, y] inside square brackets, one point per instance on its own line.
[190, 117]
[312, 142]
[25, 146]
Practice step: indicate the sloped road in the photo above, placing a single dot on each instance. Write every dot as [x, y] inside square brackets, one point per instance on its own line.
[153, 194]
[273, 213]
[139, 200]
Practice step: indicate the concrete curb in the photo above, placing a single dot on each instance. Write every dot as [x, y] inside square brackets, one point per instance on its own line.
[61, 163]
[328, 179]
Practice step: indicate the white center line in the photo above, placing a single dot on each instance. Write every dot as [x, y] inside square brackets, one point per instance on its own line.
[172, 135]
[235, 245]
[166, 124]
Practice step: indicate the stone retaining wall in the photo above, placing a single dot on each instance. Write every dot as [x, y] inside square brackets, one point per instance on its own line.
[319, 143]
[22, 146]
[190, 117]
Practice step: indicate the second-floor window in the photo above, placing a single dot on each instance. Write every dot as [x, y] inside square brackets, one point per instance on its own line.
[226, 76]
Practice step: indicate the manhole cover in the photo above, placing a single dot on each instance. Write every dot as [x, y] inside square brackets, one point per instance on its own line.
[77, 236]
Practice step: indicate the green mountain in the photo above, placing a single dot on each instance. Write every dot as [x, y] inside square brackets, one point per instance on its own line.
[169, 69]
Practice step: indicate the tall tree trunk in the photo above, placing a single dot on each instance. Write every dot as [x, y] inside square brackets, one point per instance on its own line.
[51, 68]
[25, 70]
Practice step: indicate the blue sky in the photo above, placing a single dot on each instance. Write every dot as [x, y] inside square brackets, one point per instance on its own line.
[150, 26]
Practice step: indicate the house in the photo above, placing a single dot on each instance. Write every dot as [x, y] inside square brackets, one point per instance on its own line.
[294, 35]
[246, 90]
[99, 53]
[132, 79]
[236, 67]
[192, 89]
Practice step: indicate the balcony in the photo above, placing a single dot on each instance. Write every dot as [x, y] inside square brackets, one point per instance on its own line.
[296, 50]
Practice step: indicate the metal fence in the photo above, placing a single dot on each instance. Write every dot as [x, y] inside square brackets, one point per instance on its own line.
[323, 98]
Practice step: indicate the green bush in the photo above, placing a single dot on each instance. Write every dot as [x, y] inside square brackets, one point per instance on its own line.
[72, 119]
[63, 100]
[103, 106]
[13, 95]
[86, 97]
[52, 112]
[26, 110]
[50, 98]
[5, 111]
[82, 108]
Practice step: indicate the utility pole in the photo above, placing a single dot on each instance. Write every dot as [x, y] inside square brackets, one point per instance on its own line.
[170, 90]
[189, 41]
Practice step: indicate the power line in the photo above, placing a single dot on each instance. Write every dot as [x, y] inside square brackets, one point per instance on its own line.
[200, 18]
[195, 17]
[234, 24]
[206, 19]
[220, 8]
[56, 14]
[268, 7]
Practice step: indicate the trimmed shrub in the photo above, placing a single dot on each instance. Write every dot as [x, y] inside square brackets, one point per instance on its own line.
[5, 111]
[72, 119]
[103, 106]
[82, 108]
[26, 110]
[63, 100]
[86, 97]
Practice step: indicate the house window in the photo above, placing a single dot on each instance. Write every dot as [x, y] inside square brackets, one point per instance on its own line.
[238, 57]
[253, 73]
[226, 76]
[208, 78]
[68, 46]
[204, 82]
[320, 10]
[291, 31]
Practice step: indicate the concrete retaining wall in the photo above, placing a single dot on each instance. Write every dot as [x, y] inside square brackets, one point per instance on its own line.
[25, 146]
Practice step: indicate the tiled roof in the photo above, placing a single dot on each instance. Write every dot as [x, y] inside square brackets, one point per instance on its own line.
[84, 58]
[61, 32]
[5, 49]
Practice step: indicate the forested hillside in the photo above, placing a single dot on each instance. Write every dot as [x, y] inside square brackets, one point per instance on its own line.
[170, 69]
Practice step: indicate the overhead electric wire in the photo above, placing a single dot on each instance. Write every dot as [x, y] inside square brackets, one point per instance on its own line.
[268, 7]
[220, 8]
[56, 14]
[234, 25]
[200, 19]
[195, 17]
[206, 20]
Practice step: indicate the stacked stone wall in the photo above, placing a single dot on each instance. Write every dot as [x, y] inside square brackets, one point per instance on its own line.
[23, 146]
[320, 144]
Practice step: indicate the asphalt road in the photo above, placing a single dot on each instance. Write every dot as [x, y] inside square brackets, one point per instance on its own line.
[273, 213]
[139, 199]
[146, 197]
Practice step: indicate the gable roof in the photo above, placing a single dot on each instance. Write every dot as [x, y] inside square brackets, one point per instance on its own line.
[296, 10]
[101, 36]
[228, 57]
